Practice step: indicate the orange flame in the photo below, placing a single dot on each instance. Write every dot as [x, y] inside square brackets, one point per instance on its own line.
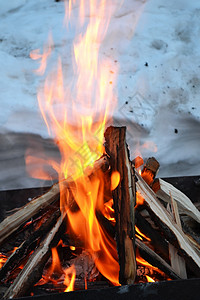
[115, 179]
[55, 266]
[3, 259]
[109, 211]
[148, 176]
[139, 199]
[75, 112]
[70, 275]
[143, 262]
[142, 234]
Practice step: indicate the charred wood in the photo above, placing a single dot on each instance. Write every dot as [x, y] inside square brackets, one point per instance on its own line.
[155, 260]
[27, 246]
[33, 269]
[157, 240]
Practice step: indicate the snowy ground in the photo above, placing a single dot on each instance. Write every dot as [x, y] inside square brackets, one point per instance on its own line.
[155, 45]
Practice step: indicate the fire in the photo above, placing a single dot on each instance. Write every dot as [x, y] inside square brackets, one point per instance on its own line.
[149, 279]
[139, 199]
[143, 262]
[3, 259]
[142, 234]
[147, 176]
[109, 212]
[75, 112]
[55, 266]
[115, 179]
[70, 275]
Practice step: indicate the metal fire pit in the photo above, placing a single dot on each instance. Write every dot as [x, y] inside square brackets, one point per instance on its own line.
[169, 290]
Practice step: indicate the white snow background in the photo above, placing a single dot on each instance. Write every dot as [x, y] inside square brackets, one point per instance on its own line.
[156, 46]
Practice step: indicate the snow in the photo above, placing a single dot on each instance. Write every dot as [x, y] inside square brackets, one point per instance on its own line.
[154, 44]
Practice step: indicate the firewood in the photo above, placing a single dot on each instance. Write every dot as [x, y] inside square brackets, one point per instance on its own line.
[155, 260]
[124, 201]
[27, 246]
[13, 222]
[177, 262]
[185, 205]
[157, 240]
[191, 232]
[170, 228]
[190, 215]
[33, 269]
[150, 170]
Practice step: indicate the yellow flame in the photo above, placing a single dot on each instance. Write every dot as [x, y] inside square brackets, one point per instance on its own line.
[149, 279]
[70, 275]
[142, 234]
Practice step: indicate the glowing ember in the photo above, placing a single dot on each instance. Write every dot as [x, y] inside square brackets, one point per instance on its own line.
[3, 259]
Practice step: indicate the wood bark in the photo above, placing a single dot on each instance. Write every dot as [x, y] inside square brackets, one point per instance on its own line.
[124, 201]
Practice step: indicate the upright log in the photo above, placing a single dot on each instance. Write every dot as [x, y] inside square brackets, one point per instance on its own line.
[124, 201]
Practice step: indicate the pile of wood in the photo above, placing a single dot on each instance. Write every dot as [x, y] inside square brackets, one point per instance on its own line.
[170, 247]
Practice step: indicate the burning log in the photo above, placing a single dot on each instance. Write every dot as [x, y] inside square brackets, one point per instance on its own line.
[124, 201]
[27, 246]
[150, 170]
[33, 269]
[13, 222]
[174, 234]
[155, 260]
